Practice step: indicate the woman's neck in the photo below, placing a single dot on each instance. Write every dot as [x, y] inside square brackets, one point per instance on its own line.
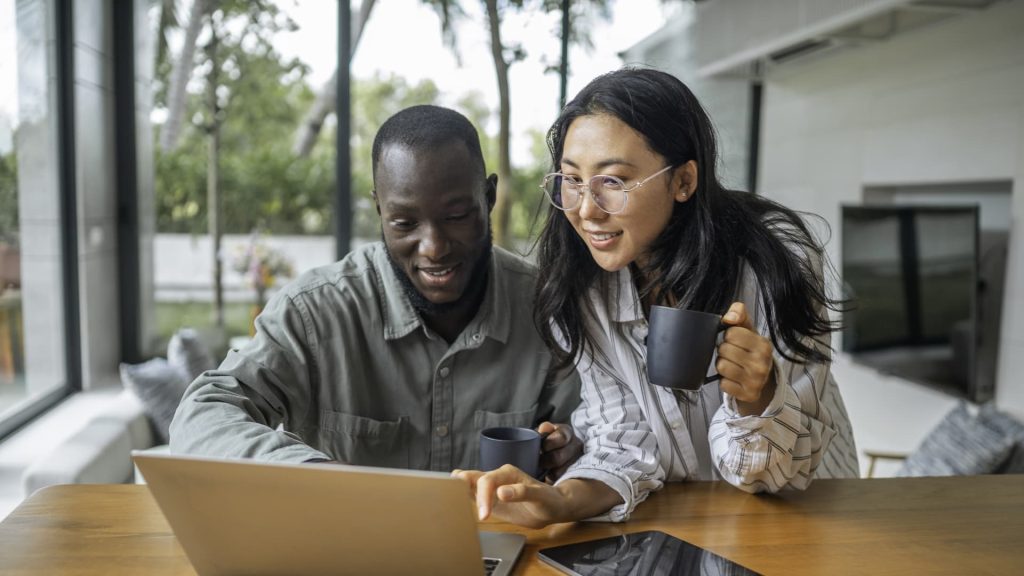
[656, 295]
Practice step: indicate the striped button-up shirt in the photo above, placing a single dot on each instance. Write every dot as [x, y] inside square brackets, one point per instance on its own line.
[638, 435]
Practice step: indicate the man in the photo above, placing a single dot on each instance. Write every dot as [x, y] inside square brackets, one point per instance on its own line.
[399, 354]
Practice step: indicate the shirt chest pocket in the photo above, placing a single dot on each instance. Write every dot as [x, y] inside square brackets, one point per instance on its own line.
[521, 418]
[364, 441]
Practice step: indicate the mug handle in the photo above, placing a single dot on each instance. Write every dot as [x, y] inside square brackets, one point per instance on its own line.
[722, 327]
[542, 473]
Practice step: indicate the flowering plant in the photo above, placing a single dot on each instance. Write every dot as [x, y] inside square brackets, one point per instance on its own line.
[261, 265]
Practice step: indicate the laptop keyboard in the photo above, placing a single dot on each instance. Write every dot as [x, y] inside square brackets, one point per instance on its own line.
[490, 565]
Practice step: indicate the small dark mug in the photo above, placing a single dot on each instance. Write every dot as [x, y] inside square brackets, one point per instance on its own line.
[519, 447]
[680, 344]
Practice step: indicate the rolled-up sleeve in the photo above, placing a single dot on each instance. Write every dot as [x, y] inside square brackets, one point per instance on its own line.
[791, 442]
[236, 410]
[620, 449]
[785, 445]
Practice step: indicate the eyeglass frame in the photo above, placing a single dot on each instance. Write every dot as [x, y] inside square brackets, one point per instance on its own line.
[582, 185]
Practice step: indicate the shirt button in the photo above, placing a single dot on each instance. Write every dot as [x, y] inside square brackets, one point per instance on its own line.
[445, 371]
[477, 337]
[441, 430]
[675, 425]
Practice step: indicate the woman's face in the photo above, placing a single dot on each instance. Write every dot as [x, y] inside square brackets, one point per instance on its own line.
[603, 144]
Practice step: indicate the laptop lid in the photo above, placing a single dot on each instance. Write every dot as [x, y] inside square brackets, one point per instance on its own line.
[245, 517]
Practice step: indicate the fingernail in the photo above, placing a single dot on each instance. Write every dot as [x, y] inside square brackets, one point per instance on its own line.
[481, 513]
[731, 316]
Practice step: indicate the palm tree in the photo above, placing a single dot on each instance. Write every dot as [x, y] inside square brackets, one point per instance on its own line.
[503, 58]
[449, 11]
[182, 70]
[305, 137]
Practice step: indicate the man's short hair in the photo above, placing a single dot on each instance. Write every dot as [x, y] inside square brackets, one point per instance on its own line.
[427, 127]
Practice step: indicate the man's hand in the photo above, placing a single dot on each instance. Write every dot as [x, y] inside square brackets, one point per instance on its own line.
[560, 449]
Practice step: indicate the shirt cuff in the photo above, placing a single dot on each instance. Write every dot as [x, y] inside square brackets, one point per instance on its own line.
[294, 454]
[734, 418]
[617, 482]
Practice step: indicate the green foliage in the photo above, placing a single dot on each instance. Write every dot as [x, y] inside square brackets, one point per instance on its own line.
[263, 99]
[373, 101]
[528, 202]
[9, 198]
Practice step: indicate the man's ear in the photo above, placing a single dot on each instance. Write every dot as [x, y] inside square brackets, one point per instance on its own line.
[492, 191]
[684, 181]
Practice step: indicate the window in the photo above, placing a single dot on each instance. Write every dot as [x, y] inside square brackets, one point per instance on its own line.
[33, 367]
[227, 210]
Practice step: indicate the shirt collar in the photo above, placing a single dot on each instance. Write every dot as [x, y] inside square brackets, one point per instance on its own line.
[492, 319]
[400, 318]
[624, 301]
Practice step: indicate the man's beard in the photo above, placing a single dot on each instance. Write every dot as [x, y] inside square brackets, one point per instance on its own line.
[475, 286]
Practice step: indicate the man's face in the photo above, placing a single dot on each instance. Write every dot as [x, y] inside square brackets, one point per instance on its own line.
[435, 217]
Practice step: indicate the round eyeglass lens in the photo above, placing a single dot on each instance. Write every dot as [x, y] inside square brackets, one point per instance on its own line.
[608, 193]
[564, 192]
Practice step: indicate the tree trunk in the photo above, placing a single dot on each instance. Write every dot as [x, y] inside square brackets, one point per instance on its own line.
[500, 216]
[213, 192]
[305, 138]
[180, 75]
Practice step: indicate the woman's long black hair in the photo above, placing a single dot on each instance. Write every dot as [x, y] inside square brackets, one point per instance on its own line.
[699, 258]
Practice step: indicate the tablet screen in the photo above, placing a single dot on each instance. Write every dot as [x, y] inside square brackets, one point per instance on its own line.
[648, 553]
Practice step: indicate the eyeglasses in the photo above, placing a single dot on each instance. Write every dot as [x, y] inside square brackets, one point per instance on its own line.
[608, 192]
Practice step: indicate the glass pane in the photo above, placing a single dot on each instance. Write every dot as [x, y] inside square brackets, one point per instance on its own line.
[873, 274]
[229, 210]
[31, 280]
[946, 247]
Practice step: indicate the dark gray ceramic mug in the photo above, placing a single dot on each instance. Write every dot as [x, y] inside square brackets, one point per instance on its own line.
[680, 344]
[519, 447]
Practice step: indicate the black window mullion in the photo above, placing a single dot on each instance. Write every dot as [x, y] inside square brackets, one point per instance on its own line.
[129, 270]
[65, 46]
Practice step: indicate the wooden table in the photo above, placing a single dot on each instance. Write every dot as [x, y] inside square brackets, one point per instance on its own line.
[956, 526]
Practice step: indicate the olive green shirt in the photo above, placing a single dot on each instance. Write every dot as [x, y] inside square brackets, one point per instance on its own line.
[342, 367]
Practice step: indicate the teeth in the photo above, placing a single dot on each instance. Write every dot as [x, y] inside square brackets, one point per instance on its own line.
[603, 237]
[438, 272]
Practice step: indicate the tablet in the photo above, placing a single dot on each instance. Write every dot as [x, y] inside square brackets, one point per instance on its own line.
[650, 553]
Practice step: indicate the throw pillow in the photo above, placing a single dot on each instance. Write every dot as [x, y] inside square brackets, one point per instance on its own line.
[961, 444]
[1008, 426]
[186, 350]
[159, 386]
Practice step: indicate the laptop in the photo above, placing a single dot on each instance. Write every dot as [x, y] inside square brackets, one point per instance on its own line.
[237, 517]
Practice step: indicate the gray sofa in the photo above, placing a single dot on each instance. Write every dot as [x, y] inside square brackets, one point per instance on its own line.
[98, 453]
[136, 419]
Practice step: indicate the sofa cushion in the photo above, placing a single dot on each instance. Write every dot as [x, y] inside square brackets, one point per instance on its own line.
[186, 350]
[129, 410]
[159, 386]
[961, 444]
[1010, 427]
[98, 453]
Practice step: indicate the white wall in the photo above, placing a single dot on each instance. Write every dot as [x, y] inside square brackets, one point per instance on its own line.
[183, 263]
[727, 100]
[942, 104]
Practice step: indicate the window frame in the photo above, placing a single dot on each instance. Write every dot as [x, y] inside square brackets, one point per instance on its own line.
[63, 14]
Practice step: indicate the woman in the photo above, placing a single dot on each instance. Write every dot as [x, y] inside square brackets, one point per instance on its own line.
[639, 218]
